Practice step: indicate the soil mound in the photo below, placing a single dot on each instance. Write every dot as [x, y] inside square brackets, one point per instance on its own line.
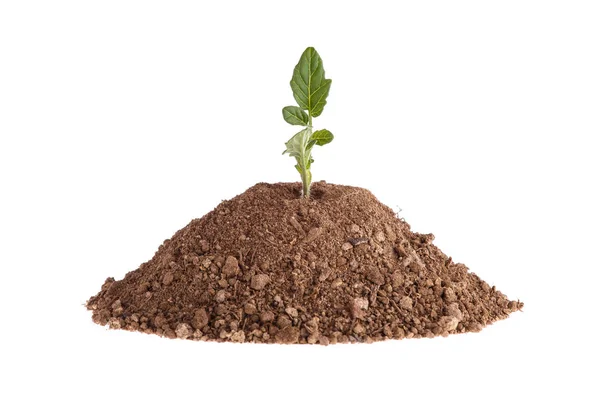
[268, 266]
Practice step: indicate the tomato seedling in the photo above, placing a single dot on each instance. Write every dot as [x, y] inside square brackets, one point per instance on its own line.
[310, 88]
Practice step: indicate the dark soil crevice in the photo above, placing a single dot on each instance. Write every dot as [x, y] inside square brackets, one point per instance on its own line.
[269, 266]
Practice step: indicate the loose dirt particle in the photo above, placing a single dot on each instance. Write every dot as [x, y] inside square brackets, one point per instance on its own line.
[247, 272]
[325, 273]
[231, 267]
[160, 321]
[337, 283]
[313, 234]
[221, 296]
[397, 279]
[401, 250]
[200, 319]
[114, 323]
[292, 312]
[168, 279]
[238, 337]
[448, 323]
[406, 303]
[359, 240]
[267, 316]
[454, 311]
[250, 309]
[283, 321]
[287, 335]
[359, 329]
[259, 281]
[183, 331]
[204, 247]
[358, 307]
[297, 225]
[449, 294]
[375, 276]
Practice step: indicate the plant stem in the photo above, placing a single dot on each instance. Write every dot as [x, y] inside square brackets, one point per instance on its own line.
[305, 184]
[305, 174]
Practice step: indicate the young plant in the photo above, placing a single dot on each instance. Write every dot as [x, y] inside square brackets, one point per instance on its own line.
[310, 90]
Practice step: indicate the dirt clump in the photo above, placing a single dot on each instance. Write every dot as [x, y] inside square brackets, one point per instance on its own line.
[270, 267]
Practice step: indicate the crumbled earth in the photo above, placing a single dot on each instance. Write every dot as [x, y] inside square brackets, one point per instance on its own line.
[270, 267]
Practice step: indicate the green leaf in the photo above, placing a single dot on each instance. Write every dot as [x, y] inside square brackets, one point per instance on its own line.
[295, 115]
[322, 137]
[296, 146]
[309, 84]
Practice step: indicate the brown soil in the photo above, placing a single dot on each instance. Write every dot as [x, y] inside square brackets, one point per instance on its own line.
[268, 266]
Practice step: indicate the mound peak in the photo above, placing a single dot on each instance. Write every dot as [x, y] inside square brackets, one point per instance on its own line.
[270, 266]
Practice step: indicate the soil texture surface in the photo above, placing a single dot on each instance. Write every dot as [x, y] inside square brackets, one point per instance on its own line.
[270, 267]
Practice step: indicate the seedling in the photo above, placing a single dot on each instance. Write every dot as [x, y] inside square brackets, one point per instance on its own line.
[310, 90]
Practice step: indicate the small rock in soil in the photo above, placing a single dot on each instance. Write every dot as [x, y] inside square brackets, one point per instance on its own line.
[238, 337]
[168, 278]
[183, 331]
[358, 307]
[204, 247]
[160, 321]
[200, 319]
[259, 281]
[287, 335]
[375, 276]
[397, 279]
[267, 316]
[448, 323]
[313, 234]
[283, 321]
[221, 296]
[249, 309]
[231, 267]
[449, 294]
[292, 312]
[359, 329]
[454, 311]
[406, 303]
[357, 241]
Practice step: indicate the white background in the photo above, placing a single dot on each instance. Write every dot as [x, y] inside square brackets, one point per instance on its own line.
[120, 121]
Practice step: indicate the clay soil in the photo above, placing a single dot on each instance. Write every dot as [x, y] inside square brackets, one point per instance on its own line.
[270, 267]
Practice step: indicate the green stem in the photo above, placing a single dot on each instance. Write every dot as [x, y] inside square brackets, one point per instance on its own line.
[305, 184]
[305, 174]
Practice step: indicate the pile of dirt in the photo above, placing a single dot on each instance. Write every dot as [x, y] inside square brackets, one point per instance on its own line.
[268, 266]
